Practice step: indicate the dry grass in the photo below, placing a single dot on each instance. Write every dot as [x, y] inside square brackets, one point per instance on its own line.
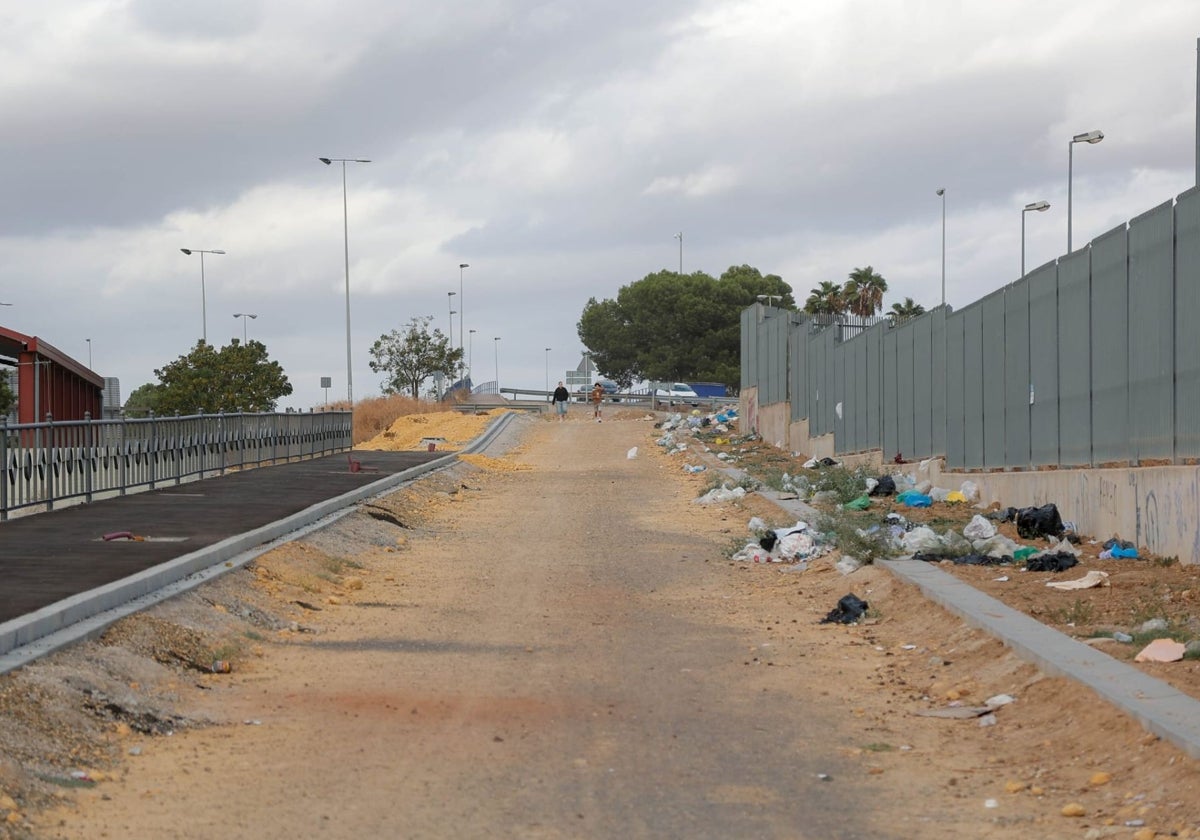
[375, 415]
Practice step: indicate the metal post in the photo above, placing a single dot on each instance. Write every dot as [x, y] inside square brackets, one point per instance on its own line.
[203, 303]
[679, 236]
[4, 468]
[49, 461]
[942, 192]
[462, 317]
[1023, 212]
[89, 431]
[1070, 168]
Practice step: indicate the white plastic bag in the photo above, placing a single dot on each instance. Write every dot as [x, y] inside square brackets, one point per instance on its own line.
[756, 525]
[631, 454]
[979, 529]
[719, 495]
[921, 539]
[970, 490]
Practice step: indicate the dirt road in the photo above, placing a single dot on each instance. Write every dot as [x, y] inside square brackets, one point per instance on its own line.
[564, 651]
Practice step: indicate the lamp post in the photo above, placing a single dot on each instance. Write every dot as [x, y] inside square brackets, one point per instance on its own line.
[679, 236]
[244, 316]
[470, 347]
[1040, 207]
[496, 345]
[942, 192]
[89, 341]
[769, 299]
[1092, 137]
[451, 310]
[346, 242]
[203, 305]
[462, 310]
[547, 368]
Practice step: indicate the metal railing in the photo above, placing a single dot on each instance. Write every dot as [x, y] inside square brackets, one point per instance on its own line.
[45, 463]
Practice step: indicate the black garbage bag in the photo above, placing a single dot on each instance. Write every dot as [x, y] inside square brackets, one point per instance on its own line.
[828, 462]
[1115, 542]
[885, 487]
[1038, 522]
[1005, 515]
[850, 608]
[1060, 561]
[962, 559]
[768, 542]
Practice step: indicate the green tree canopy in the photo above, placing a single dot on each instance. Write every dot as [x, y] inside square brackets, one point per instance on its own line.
[7, 398]
[825, 299]
[238, 377]
[408, 358]
[143, 400]
[863, 292]
[671, 326]
[901, 312]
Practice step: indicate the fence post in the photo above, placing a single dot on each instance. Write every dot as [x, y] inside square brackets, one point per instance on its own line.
[50, 444]
[123, 463]
[4, 468]
[89, 434]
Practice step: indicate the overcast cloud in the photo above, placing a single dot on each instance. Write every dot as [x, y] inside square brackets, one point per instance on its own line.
[557, 147]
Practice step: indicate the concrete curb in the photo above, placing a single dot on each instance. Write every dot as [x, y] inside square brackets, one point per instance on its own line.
[57, 625]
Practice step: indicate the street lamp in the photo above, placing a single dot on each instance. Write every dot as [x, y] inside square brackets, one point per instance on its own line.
[496, 345]
[346, 241]
[1040, 207]
[942, 192]
[1092, 137]
[450, 309]
[769, 298]
[203, 305]
[679, 236]
[244, 316]
[462, 310]
[470, 347]
[547, 368]
[89, 341]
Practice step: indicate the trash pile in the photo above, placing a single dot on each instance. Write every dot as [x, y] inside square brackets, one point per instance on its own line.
[678, 429]
[795, 544]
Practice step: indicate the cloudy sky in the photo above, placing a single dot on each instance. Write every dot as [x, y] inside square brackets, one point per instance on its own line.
[556, 147]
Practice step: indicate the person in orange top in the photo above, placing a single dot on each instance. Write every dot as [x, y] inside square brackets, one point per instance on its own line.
[597, 397]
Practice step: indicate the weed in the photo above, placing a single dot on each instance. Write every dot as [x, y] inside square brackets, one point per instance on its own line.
[848, 485]
[1143, 638]
[878, 747]
[1080, 612]
[1166, 562]
[1193, 653]
[254, 636]
[847, 531]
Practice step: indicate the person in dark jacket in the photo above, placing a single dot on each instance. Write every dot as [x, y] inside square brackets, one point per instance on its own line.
[560, 399]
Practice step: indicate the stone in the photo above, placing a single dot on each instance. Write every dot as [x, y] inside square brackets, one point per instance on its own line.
[1073, 809]
[1144, 834]
[1099, 779]
[7, 803]
[1014, 787]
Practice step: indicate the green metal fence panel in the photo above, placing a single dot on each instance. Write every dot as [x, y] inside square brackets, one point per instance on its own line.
[1152, 334]
[1017, 395]
[1043, 365]
[1110, 347]
[1187, 317]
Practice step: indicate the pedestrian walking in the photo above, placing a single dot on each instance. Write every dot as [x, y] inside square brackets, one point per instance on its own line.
[597, 397]
[560, 399]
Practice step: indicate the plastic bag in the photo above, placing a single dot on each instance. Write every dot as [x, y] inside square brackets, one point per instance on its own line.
[850, 608]
[861, 503]
[1036, 522]
[921, 539]
[755, 525]
[955, 497]
[979, 529]
[885, 486]
[970, 491]
[848, 565]
[918, 501]
[997, 546]
[719, 495]
[631, 454]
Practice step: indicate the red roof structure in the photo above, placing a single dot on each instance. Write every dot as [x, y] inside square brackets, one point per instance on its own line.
[49, 382]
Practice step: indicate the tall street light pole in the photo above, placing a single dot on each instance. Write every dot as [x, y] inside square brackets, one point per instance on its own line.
[470, 348]
[942, 192]
[244, 316]
[1087, 137]
[450, 309]
[1038, 206]
[496, 345]
[89, 341]
[547, 368]
[462, 310]
[346, 241]
[203, 304]
[679, 236]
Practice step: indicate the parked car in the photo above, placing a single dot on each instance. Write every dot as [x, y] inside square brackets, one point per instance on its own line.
[609, 388]
[678, 392]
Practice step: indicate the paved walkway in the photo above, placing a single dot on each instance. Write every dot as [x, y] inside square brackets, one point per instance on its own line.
[47, 557]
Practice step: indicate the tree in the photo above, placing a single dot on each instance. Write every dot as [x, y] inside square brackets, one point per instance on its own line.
[238, 377]
[7, 398]
[676, 327]
[902, 312]
[826, 299]
[411, 357]
[863, 292]
[143, 400]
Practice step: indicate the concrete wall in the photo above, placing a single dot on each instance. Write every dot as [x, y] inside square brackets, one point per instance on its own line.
[1157, 508]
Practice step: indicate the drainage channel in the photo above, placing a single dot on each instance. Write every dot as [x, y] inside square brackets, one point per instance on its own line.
[87, 614]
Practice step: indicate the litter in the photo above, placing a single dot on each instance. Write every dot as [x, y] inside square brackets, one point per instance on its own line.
[979, 529]
[955, 497]
[956, 712]
[920, 539]
[850, 608]
[694, 468]
[970, 491]
[885, 486]
[1161, 650]
[1059, 562]
[719, 495]
[848, 565]
[632, 453]
[755, 525]
[861, 503]
[1024, 553]
[997, 546]
[1036, 522]
[1091, 579]
[918, 500]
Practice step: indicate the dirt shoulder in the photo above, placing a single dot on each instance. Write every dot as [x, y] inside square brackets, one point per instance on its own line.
[554, 644]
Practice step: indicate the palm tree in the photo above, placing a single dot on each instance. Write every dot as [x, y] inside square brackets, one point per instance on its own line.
[902, 312]
[863, 292]
[826, 299]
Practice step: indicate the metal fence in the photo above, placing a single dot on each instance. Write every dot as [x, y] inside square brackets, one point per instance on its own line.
[46, 463]
[1092, 359]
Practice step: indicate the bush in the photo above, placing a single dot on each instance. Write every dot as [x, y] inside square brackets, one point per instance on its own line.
[848, 484]
[376, 415]
[848, 531]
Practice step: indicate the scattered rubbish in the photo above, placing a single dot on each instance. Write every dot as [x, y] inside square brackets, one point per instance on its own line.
[919, 500]
[970, 491]
[252, 722]
[956, 497]
[768, 541]
[990, 803]
[848, 565]
[756, 525]
[885, 486]
[825, 777]
[920, 539]
[956, 712]
[997, 546]
[693, 468]
[979, 529]
[221, 666]
[1161, 650]
[1058, 562]
[987, 720]
[121, 535]
[998, 700]
[861, 503]
[850, 608]
[1001, 579]
[135, 751]
[719, 495]
[1024, 553]
[632, 453]
[1036, 522]
[1122, 637]
[1091, 579]
[824, 497]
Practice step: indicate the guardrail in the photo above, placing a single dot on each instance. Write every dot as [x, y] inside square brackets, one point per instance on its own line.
[45, 463]
[635, 397]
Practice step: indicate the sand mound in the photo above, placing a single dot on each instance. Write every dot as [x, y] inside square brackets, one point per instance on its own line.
[408, 431]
